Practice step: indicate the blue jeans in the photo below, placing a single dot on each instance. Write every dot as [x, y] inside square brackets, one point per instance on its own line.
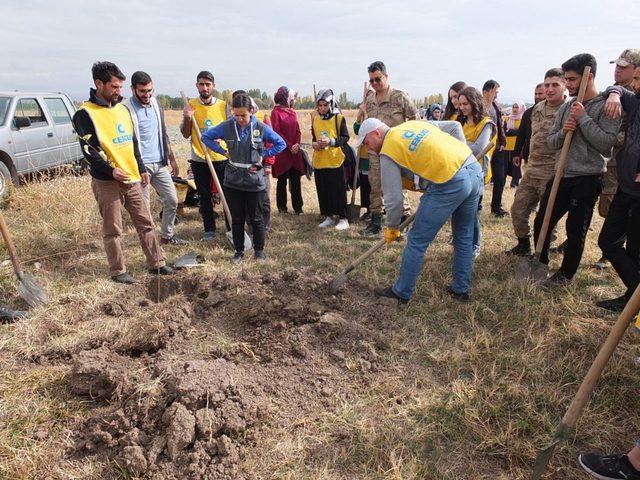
[458, 199]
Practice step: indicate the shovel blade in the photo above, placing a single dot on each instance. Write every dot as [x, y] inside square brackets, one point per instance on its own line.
[248, 244]
[542, 460]
[531, 270]
[338, 282]
[353, 213]
[31, 292]
[188, 260]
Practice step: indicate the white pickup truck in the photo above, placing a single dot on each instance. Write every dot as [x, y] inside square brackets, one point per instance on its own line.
[35, 134]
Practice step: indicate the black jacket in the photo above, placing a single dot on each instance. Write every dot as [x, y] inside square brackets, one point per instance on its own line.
[628, 159]
[98, 168]
[523, 140]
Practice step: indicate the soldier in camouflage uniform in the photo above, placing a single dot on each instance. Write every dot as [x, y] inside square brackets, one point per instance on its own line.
[541, 161]
[392, 107]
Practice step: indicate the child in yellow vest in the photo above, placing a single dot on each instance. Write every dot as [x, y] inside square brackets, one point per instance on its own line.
[329, 133]
[479, 130]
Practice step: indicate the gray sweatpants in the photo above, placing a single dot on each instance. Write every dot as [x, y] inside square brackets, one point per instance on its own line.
[166, 190]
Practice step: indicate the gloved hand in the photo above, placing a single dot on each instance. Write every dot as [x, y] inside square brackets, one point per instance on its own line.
[391, 235]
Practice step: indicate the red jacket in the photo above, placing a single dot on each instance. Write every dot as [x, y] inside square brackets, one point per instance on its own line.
[284, 122]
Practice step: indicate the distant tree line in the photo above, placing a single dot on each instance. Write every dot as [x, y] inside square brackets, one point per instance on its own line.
[265, 100]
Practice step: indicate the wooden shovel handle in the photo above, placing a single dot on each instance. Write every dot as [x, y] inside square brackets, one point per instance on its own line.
[11, 247]
[606, 351]
[560, 169]
[212, 170]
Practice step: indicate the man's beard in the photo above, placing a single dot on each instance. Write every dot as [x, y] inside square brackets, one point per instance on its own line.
[205, 96]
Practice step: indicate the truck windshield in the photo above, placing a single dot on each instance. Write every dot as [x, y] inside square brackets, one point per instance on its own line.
[4, 106]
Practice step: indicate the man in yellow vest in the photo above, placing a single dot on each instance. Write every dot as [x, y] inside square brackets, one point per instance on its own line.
[110, 147]
[420, 156]
[205, 112]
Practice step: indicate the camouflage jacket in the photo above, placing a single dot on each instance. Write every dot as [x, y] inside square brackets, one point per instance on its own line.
[395, 108]
[542, 158]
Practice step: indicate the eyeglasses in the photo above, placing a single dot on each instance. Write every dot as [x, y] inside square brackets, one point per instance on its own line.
[375, 80]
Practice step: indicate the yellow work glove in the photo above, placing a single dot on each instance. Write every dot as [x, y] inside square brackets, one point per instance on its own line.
[391, 235]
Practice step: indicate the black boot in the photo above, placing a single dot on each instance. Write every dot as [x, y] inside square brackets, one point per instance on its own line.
[522, 249]
[374, 227]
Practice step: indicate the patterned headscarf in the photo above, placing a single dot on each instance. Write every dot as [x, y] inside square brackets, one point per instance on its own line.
[511, 123]
[328, 96]
[285, 97]
[432, 108]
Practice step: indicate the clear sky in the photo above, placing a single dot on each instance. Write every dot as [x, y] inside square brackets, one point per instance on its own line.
[247, 44]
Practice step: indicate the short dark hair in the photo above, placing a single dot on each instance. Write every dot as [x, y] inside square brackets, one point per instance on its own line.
[489, 85]
[554, 72]
[140, 78]
[540, 85]
[241, 100]
[377, 66]
[238, 92]
[103, 71]
[206, 75]
[578, 62]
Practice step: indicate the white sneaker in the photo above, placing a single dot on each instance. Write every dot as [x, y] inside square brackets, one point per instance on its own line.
[343, 224]
[328, 222]
[476, 251]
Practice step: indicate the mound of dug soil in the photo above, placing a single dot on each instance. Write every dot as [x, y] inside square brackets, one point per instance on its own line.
[275, 348]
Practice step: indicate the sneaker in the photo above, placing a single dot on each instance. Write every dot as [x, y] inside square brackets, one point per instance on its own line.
[237, 257]
[461, 297]
[173, 241]
[614, 304]
[259, 255]
[500, 213]
[209, 236]
[556, 280]
[602, 263]
[343, 224]
[125, 278]
[298, 212]
[326, 223]
[476, 250]
[366, 216]
[164, 270]
[282, 210]
[374, 227]
[388, 292]
[609, 467]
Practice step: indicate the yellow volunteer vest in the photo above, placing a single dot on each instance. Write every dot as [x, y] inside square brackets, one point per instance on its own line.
[425, 150]
[511, 139]
[114, 129]
[207, 116]
[472, 132]
[330, 157]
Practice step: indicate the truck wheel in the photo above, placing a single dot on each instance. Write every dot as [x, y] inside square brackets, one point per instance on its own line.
[6, 185]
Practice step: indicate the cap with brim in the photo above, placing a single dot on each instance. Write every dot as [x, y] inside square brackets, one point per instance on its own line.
[368, 126]
[630, 56]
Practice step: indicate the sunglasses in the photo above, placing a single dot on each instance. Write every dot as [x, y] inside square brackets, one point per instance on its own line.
[375, 80]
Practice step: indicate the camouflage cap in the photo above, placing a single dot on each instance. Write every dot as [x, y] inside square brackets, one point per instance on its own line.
[631, 56]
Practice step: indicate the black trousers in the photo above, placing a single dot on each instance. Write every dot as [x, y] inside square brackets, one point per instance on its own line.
[245, 207]
[365, 191]
[515, 172]
[499, 162]
[202, 177]
[332, 191]
[294, 187]
[621, 225]
[576, 196]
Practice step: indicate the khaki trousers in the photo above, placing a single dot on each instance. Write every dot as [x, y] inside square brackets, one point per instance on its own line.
[112, 196]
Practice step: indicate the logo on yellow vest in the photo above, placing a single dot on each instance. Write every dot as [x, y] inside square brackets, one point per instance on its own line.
[208, 123]
[122, 137]
[415, 139]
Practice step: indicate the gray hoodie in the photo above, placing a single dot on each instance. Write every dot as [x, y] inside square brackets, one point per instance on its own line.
[592, 141]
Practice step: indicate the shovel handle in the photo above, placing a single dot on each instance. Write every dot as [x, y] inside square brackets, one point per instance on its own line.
[606, 351]
[212, 170]
[560, 169]
[356, 171]
[11, 247]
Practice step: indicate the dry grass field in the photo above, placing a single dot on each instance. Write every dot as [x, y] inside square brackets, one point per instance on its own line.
[257, 371]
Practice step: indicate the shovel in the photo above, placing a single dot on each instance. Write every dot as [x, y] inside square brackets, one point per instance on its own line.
[248, 245]
[341, 279]
[29, 290]
[532, 268]
[589, 383]
[353, 210]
